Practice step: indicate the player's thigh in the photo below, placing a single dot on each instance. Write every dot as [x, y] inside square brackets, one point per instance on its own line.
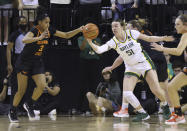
[129, 82]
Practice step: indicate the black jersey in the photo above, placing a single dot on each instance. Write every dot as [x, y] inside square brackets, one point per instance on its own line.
[34, 51]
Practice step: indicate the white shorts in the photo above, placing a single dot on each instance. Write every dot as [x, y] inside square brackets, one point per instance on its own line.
[139, 69]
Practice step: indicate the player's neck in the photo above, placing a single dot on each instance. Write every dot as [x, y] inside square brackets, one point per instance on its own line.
[121, 36]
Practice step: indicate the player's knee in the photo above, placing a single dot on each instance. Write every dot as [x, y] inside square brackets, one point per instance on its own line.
[89, 94]
[127, 94]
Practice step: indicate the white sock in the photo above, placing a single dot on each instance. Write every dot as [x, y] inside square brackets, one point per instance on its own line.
[163, 103]
[124, 106]
[171, 109]
[141, 110]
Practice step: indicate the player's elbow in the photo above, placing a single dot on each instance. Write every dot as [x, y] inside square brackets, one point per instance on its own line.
[179, 52]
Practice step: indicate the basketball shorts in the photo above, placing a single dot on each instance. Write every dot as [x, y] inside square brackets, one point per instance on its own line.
[29, 68]
[139, 69]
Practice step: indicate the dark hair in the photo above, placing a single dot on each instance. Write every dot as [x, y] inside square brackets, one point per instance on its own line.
[41, 14]
[183, 18]
[120, 21]
[135, 24]
[112, 77]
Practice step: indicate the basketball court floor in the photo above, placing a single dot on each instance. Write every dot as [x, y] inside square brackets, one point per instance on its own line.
[80, 123]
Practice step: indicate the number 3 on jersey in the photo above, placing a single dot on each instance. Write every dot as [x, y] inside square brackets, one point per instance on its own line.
[41, 48]
[130, 52]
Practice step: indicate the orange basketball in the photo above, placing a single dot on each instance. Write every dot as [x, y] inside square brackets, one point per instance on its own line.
[90, 31]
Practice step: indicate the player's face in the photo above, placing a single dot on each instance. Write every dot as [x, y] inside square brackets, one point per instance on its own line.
[106, 76]
[22, 21]
[116, 28]
[177, 70]
[48, 77]
[180, 26]
[44, 24]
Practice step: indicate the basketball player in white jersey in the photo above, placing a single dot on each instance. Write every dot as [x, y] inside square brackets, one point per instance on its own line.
[137, 63]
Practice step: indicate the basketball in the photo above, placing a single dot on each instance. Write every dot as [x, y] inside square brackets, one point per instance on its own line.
[90, 31]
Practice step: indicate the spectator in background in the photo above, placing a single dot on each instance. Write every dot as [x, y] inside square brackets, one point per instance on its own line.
[107, 98]
[169, 67]
[89, 68]
[4, 98]
[5, 6]
[119, 7]
[14, 48]
[48, 102]
[90, 8]
[156, 10]
[29, 7]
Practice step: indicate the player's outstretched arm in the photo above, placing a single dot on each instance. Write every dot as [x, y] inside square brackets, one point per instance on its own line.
[173, 51]
[69, 34]
[98, 49]
[155, 38]
[116, 63]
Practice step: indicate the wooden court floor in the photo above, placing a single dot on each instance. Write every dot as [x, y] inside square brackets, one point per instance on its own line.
[79, 123]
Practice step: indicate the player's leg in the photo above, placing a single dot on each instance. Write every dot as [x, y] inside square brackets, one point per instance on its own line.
[152, 80]
[177, 83]
[22, 86]
[93, 103]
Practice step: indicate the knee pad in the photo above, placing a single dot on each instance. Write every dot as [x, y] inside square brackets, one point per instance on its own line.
[131, 98]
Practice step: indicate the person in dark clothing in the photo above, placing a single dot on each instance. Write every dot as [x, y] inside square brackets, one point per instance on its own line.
[14, 48]
[30, 62]
[49, 100]
[107, 97]
[157, 57]
[5, 97]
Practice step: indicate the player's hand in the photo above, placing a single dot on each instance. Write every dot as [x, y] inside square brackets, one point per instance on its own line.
[9, 69]
[89, 40]
[81, 28]
[169, 38]
[106, 69]
[5, 81]
[44, 34]
[157, 47]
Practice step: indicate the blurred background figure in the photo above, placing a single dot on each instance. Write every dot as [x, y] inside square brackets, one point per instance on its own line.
[120, 7]
[49, 101]
[107, 98]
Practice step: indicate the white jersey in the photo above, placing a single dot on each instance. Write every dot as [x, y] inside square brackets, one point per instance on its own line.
[130, 50]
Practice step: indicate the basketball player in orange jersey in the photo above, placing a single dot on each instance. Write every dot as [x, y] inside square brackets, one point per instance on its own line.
[30, 61]
[181, 79]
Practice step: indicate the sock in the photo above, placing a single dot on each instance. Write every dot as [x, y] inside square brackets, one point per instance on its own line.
[141, 110]
[124, 106]
[13, 108]
[171, 109]
[163, 103]
[178, 111]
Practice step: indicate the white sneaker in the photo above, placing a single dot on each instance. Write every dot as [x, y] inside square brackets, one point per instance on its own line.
[0, 44]
[52, 117]
[36, 112]
[53, 112]
[5, 43]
